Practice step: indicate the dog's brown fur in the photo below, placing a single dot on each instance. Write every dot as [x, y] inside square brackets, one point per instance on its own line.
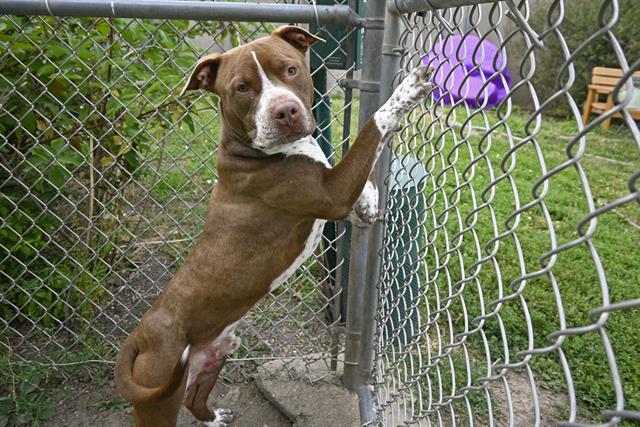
[258, 218]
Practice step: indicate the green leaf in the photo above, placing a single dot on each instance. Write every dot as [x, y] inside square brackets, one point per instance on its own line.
[58, 176]
[132, 158]
[70, 157]
[46, 70]
[57, 49]
[189, 121]
[30, 122]
[40, 155]
[45, 297]
[58, 146]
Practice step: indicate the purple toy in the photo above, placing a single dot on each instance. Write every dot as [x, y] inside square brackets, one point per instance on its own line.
[456, 77]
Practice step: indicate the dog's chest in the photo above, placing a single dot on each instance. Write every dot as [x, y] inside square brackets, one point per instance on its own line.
[310, 246]
[307, 147]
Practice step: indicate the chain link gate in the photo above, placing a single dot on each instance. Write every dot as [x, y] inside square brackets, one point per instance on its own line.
[503, 298]
[504, 256]
[105, 175]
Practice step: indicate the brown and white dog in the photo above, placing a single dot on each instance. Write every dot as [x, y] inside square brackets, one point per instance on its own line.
[265, 218]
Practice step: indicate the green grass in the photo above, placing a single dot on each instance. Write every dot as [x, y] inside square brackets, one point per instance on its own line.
[30, 389]
[458, 174]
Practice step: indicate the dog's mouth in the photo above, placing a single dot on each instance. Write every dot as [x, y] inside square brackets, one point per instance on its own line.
[305, 129]
[269, 139]
[294, 136]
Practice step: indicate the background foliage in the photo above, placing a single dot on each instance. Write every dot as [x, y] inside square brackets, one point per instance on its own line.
[581, 20]
[75, 127]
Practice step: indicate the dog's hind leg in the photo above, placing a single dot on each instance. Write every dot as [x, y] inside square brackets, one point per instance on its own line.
[163, 414]
[198, 393]
[150, 370]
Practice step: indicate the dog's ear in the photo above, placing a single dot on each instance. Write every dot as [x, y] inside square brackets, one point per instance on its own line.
[297, 37]
[204, 74]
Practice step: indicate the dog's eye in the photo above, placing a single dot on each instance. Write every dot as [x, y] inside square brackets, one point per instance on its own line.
[291, 71]
[242, 88]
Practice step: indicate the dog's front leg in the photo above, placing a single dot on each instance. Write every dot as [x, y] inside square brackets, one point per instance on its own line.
[331, 193]
[387, 118]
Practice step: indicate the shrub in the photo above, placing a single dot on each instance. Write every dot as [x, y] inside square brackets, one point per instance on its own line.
[581, 20]
[82, 101]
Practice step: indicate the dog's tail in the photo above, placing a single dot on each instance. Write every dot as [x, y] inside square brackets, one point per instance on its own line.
[136, 393]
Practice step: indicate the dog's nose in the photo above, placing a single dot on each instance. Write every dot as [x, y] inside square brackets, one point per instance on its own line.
[286, 114]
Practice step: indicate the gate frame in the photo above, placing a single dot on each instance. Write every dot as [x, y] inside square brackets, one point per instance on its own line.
[364, 262]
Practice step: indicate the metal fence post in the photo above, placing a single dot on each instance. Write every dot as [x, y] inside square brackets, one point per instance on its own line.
[360, 236]
[391, 54]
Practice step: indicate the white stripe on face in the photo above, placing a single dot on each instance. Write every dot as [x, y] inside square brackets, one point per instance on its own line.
[267, 133]
[266, 83]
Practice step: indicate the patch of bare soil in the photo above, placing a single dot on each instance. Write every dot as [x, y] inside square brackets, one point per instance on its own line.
[519, 398]
[101, 406]
[550, 403]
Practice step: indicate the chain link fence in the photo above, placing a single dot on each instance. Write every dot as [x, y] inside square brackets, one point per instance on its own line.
[105, 175]
[509, 286]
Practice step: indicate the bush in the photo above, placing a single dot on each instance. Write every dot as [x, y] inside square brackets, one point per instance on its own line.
[580, 22]
[83, 101]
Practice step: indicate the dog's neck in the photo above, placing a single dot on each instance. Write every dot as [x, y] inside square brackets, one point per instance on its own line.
[238, 145]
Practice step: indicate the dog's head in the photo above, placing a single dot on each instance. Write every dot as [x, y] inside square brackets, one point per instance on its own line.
[265, 88]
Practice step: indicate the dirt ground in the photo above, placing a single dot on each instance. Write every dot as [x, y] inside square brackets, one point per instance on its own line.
[281, 394]
[522, 401]
[323, 404]
[101, 406]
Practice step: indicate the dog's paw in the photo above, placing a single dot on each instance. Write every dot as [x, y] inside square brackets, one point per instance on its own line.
[367, 214]
[223, 418]
[365, 211]
[417, 85]
[410, 92]
[361, 221]
[413, 89]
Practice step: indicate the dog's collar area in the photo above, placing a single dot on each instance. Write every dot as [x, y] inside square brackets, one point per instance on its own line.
[243, 149]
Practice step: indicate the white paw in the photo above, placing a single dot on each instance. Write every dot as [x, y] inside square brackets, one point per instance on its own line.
[223, 418]
[410, 92]
[415, 87]
[365, 211]
[359, 221]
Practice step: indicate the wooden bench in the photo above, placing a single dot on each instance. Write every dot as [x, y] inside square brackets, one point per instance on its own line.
[603, 81]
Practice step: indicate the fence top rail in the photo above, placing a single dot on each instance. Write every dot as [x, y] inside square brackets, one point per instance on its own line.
[408, 6]
[340, 15]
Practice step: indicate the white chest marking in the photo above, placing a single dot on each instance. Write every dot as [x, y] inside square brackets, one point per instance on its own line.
[306, 146]
[310, 245]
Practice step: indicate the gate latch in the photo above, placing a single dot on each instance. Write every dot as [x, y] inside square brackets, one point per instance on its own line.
[362, 85]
